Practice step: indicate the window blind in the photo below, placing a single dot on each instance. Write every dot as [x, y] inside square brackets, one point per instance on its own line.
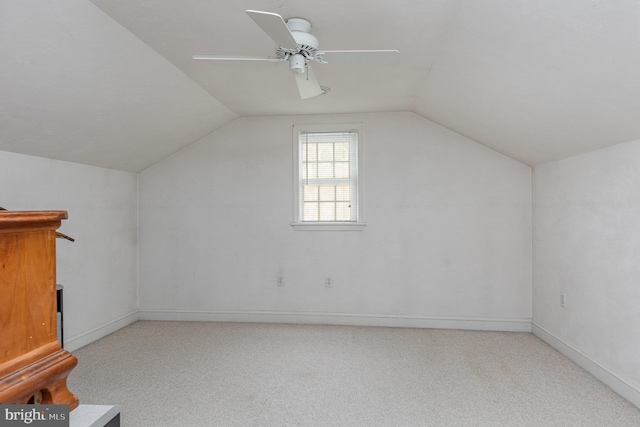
[328, 176]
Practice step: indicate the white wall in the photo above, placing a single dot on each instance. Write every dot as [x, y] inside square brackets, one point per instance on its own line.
[447, 244]
[98, 270]
[587, 244]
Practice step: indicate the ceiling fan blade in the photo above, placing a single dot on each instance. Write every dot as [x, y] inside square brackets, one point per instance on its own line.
[275, 27]
[360, 57]
[308, 85]
[235, 58]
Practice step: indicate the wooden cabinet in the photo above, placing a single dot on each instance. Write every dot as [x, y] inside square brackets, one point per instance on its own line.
[33, 364]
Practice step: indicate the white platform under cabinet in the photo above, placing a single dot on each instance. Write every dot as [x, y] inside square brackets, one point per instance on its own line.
[95, 416]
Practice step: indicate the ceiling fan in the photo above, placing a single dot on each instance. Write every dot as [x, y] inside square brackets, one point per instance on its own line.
[296, 44]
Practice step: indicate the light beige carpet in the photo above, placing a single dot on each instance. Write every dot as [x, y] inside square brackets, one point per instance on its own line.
[234, 374]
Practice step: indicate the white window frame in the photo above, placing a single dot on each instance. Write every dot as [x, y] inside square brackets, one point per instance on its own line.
[297, 224]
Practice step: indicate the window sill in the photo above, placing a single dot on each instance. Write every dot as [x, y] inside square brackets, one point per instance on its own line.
[328, 226]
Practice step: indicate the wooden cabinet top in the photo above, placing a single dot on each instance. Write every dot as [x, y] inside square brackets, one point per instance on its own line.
[12, 221]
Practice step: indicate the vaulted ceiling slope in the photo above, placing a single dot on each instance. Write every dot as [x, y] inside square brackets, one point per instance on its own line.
[113, 83]
[77, 86]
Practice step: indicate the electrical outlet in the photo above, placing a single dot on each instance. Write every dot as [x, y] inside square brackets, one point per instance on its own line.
[563, 299]
[328, 282]
[280, 280]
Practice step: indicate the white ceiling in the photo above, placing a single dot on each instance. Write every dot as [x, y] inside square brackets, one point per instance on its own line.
[112, 83]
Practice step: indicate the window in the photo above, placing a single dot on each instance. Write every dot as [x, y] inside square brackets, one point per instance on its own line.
[328, 177]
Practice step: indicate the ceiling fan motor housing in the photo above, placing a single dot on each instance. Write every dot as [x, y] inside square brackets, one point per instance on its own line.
[307, 44]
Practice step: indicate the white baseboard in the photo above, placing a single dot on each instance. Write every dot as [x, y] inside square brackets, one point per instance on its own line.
[347, 319]
[78, 341]
[622, 386]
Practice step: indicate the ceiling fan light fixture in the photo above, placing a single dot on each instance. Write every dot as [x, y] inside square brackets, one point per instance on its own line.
[297, 64]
